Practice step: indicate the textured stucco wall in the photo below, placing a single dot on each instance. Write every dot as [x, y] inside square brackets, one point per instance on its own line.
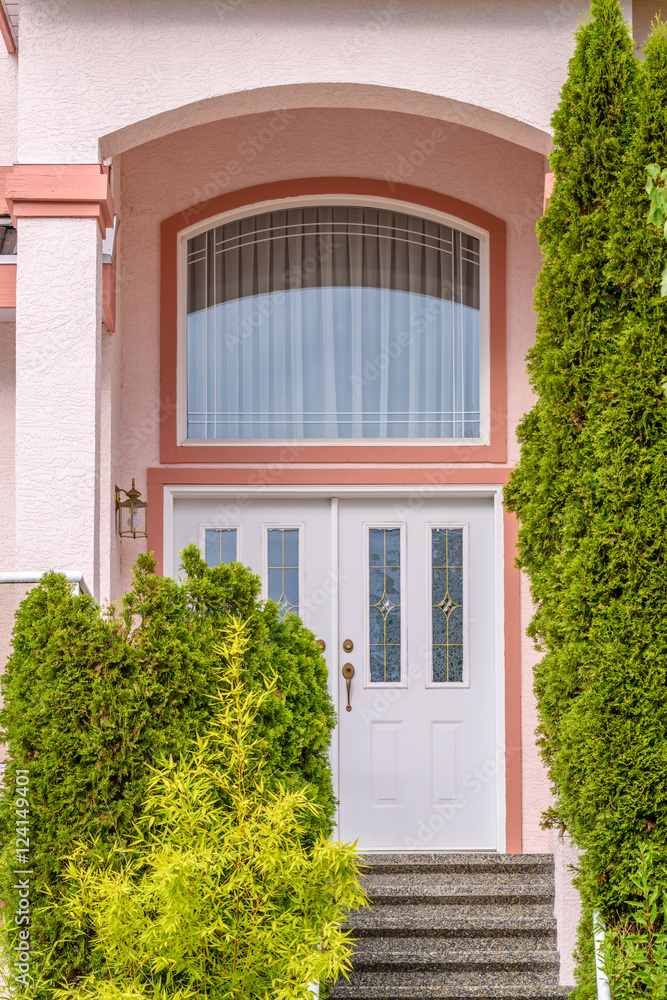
[146, 59]
[7, 401]
[8, 106]
[537, 798]
[7, 536]
[534, 781]
[110, 404]
[568, 905]
[57, 396]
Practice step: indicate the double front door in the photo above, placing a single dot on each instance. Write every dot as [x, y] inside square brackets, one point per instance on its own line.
[401, 595]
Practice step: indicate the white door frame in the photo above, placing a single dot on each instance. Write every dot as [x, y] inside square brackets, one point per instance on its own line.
[415, 494]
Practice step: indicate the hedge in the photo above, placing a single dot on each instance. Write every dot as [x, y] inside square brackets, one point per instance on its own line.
[93, 700]
[591, 487]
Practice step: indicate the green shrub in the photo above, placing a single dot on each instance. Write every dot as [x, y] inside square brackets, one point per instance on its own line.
[92, 700]
[217, 895]
[635, 949]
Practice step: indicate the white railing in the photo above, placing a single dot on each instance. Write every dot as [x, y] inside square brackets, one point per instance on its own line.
[604, 992]
[27, 577]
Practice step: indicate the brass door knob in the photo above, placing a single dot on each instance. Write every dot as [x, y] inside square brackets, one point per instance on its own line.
[321, 643]
[348, 674]
[348, 645]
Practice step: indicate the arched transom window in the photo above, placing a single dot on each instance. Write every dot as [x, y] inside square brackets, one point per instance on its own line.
[333, 321]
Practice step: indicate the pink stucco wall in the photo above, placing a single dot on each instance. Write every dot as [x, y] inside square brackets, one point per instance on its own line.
[534, 783]
[7, 490]
[57, 395]
[568, 904]
[8, 106]
[172, 59]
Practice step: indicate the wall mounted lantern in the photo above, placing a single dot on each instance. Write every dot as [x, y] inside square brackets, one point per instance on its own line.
[131, 514]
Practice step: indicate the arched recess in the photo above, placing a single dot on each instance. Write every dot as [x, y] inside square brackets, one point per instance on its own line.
[326, 95]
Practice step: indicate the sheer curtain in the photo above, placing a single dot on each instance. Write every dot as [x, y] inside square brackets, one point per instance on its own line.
[333, 322]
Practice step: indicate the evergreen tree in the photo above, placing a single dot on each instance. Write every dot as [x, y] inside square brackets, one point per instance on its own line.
[610, 764]
[573, 301]
[554, 488]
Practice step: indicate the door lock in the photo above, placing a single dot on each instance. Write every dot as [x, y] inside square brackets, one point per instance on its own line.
[348, 674]
[348, 645]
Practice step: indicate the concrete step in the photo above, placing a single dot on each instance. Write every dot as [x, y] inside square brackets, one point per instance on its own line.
[469, 983]
[451, 888]
[454, 919]
[455, 926]
[494, 988]
[419, 950]
[437, 960]
[460, 863]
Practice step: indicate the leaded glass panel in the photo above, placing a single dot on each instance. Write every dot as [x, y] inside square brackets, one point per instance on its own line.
[283, 583]
[385, 604]
[220, 546]
[447, 604]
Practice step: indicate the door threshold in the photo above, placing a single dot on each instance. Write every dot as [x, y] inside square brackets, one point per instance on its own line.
[427, 850]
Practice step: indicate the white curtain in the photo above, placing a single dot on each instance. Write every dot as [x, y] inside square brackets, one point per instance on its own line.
[333, 322]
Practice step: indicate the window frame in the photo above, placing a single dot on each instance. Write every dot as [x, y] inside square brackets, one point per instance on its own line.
[176, 231]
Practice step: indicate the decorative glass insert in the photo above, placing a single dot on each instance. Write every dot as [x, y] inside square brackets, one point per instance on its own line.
[333, 322]
[447, 604]
[219, 545]
[384, 601]
[283, 568]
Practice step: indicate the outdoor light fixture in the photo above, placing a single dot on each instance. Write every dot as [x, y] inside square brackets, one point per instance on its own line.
[131, 514]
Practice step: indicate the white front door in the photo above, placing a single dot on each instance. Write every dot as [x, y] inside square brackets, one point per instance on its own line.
[403, 596]
[417, 749]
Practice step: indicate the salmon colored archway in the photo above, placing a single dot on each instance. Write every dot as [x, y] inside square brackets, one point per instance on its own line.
[292, 96]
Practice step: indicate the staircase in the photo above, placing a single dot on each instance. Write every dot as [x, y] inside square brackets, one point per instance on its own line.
[455, 926]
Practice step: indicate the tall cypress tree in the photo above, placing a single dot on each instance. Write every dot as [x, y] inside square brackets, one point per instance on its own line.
[553, 489]
[610, 761]
[574, 301]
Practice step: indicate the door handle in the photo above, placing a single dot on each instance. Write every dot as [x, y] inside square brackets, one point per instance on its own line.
[348, 674]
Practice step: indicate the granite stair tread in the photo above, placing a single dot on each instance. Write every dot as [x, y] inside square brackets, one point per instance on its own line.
[494, 989]
[420, 950]
[456, 917]
[457, 960]
[455, 926]
[411, 887]
[492, 863]
[468, 983]
[391, 944]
